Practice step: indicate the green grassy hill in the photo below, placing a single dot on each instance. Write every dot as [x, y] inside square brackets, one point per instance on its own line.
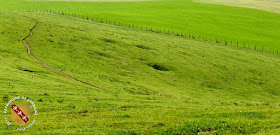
[151, 83]
[243, 25]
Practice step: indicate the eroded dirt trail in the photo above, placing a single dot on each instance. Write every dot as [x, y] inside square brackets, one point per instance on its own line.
[60, 72]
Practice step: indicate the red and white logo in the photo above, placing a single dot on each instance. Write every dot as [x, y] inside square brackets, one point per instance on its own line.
[20, 113]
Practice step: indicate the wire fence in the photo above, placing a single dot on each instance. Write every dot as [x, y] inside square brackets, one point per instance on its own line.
[156, 30]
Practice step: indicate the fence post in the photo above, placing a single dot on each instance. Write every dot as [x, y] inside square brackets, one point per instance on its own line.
[270, 50]
[237, 43]
[277, 52]
[255, 47]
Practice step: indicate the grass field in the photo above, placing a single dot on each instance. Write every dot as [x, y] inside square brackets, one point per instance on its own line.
[153, 83]
[243, 25]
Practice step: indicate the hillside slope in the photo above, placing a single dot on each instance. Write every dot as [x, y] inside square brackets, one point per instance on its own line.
[152, 83]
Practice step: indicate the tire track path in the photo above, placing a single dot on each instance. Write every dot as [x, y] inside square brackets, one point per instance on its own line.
[55, 70]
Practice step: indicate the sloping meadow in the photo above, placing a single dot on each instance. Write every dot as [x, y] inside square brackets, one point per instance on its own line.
[151, 83]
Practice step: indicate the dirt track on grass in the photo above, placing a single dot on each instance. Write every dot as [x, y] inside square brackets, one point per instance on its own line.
[29, 52]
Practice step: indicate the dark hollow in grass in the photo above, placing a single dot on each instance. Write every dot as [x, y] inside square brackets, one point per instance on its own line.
[26, 70]
[159, 67]
[83, 111]
[103, 54]
[108, 40]
[40, 100]
[72, 106]
[60, 100]
[143, 47]
[5, 98]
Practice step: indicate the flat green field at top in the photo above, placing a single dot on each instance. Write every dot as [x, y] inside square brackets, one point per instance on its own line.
[242, 25]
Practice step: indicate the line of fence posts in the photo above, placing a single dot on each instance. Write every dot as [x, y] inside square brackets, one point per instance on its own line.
[151, 29]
